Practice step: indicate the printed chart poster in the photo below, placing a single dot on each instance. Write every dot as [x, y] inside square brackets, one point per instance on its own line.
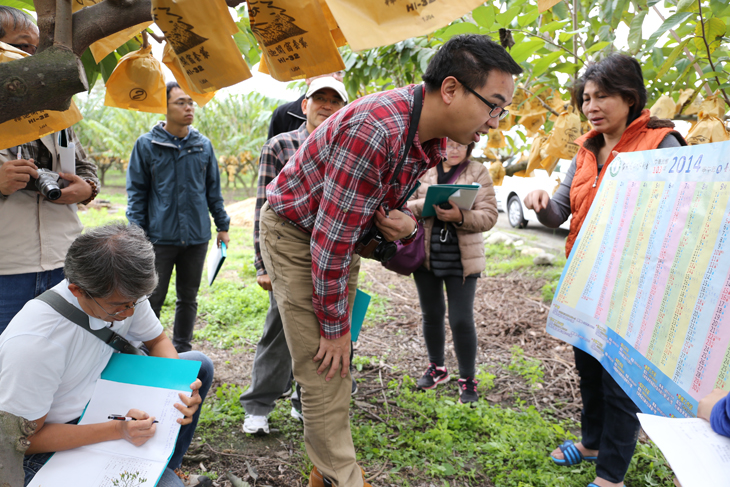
[646, 287]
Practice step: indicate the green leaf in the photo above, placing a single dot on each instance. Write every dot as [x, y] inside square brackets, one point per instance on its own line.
[20, 4]
[90, 67]
[687, 6]
[506, 18]
[714, 31]
[565, 36]
[528, 18]
[635, 31]
[672, 58]
[724, 86]
[460, 28]
[524, 50]
[541, 66]
[720, 8]
[713, 74]
[671, 22]
[484, 16]
[597, 47]
[553, 26]
[657, 57]
[107, 65]
[620, 7]
[567, 68]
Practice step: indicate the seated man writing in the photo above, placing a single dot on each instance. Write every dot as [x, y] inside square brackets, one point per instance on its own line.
[49, 364]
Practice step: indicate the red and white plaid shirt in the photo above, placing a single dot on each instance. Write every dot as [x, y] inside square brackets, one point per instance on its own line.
[338, 178]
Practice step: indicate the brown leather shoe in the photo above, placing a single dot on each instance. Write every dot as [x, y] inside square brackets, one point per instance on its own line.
[316, 479]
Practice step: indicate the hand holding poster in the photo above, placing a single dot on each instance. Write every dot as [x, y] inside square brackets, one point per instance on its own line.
[647, 285]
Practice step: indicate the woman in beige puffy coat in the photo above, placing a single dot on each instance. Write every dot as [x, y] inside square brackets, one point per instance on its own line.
[454, 258]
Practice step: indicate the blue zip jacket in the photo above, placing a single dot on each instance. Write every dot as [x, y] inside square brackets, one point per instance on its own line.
[171, 185]
[720, 416]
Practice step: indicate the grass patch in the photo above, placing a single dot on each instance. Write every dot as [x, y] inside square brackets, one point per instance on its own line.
[432, 435]
[503, 259]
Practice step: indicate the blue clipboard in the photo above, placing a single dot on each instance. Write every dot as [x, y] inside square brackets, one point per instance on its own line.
[357, 317]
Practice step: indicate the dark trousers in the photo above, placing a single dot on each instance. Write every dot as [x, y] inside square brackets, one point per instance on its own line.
[18, 289]
[608, 420]
[188, 262]
[460, 296]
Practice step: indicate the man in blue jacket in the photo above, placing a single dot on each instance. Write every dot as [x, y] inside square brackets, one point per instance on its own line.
[172, 183]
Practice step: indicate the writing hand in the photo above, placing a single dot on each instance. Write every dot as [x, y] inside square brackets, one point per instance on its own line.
[137, 432]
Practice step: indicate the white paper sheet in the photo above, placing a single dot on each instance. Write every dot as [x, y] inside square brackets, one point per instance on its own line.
[699, 456]
[100, 464]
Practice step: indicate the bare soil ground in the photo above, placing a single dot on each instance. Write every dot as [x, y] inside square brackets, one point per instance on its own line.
[508, 311]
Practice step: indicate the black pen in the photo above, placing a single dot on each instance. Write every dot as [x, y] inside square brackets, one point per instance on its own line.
[119, 417]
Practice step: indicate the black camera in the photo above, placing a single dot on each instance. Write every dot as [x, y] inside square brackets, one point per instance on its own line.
[46, 184]
[374, 246]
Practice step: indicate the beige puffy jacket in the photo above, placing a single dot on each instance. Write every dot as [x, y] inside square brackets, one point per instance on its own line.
[479, 219]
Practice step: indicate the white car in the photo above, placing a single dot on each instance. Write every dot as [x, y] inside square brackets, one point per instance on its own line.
[511, 194]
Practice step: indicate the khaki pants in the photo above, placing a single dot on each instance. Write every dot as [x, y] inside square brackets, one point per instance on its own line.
[325, 405]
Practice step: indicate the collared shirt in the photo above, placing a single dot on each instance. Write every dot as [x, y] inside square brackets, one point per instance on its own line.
[338, 178]
[49, 365]
[275, 153]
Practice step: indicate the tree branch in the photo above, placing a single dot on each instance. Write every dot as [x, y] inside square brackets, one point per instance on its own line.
[62, 35]
[528, 33]
[686, 52]
[709, 53]
[25, 83]
[542, 102]
[46, 14]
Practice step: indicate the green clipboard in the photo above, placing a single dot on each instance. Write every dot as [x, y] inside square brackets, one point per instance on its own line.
[359, 309]
[440, 193]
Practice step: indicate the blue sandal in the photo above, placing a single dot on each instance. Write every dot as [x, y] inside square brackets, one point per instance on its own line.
[572, 456]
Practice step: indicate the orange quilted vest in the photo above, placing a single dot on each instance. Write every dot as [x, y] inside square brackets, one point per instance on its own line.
[644, 133]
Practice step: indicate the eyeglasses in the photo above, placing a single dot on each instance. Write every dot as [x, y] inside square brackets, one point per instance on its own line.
[455, 147]
[335, 102]
[29, 48]
[496, 110]
[183, 104]
[123, 310]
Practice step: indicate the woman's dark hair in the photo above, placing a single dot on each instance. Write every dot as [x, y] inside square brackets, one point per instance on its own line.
[615, 75]
[469, 58]
[469, 148]
[170, 85]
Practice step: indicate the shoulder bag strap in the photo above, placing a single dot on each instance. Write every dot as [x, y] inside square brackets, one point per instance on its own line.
[412, 128]
[72, 313]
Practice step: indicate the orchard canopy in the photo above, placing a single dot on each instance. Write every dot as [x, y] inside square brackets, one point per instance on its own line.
[682, 45]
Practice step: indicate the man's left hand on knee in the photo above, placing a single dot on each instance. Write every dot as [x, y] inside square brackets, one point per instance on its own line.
[332, 353]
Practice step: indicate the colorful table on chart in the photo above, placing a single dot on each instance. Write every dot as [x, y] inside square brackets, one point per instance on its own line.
[647, 285]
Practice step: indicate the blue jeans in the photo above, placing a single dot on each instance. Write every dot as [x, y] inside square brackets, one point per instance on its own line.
[33, 463]
[18, 289]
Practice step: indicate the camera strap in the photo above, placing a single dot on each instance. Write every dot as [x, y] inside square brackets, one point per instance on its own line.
[72, 313]
[412, 128]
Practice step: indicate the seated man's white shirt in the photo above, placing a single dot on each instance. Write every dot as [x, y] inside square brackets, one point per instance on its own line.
[50, 365]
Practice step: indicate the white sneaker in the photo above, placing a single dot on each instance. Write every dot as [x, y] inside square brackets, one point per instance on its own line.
[256, 425]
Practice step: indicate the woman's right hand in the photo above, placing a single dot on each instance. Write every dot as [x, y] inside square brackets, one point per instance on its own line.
[139, 431]
[537, 200]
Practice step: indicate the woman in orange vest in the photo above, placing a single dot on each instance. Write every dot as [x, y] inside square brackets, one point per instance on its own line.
[612, 95]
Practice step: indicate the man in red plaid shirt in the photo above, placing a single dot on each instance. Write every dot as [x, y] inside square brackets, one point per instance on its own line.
[332, 191]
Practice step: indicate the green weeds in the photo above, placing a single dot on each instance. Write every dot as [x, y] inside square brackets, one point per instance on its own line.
[529, 369]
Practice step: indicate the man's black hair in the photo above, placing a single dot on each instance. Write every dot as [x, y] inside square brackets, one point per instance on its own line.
[13, 18]
[170, 85]
[469, 58]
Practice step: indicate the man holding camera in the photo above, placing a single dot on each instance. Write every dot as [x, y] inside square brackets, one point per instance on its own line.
[354, 173]
[271, 372]
[39, 222]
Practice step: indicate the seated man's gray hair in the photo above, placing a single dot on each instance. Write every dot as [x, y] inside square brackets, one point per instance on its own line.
[116, 257]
